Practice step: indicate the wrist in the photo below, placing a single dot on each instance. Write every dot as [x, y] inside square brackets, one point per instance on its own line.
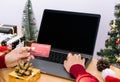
[2, 60]
[77, 69]
[7, 60]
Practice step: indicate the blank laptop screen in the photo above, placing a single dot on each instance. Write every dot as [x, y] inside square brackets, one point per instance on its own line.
[70, 31]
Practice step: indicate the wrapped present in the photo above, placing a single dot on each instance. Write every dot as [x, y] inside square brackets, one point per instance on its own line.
[12, 41]
[24, 72]
[14, 27]
[8, 29]
[35, 75]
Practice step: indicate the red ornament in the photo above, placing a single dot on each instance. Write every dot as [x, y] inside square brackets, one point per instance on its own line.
[118, 41]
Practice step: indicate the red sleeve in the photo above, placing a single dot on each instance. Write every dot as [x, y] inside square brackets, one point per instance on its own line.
[2, 61]
[78, 71]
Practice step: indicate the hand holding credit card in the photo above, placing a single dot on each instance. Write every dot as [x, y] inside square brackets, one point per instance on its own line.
[41, 50]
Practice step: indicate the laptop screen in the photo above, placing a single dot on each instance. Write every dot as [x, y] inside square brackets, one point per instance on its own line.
[70, 31]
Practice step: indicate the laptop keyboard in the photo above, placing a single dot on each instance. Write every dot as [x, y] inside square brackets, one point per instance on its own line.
[58, 57]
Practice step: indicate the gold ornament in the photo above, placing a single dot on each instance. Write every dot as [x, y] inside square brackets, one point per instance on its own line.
[113, 26]
[118, 59]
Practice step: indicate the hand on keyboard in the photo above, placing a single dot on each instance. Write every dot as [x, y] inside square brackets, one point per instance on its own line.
[60, 57]
[73, 59]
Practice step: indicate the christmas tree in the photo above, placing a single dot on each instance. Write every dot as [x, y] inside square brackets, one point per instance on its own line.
[112, 45]
[29, 28]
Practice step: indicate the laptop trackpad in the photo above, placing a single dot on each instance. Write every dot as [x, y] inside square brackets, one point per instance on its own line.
[51, 68]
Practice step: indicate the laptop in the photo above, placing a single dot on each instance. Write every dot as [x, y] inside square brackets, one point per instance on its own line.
[66, 31]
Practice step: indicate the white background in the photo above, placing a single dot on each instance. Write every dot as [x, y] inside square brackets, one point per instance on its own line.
[11, 12]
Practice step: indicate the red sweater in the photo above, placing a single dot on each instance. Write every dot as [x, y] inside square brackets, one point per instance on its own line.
[2, 58]
[2, 61]
[78, 71]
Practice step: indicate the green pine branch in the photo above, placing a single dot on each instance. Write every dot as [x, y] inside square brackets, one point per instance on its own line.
[112, 44]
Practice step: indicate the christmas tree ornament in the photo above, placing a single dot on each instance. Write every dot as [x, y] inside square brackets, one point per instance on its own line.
[118, 41]
[113, 26]
[118, 59]
[33, 23]
[117, 6]
[118, 46]
[118, 35]
[117, 12]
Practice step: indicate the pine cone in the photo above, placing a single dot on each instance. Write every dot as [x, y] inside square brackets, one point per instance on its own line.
[102, 64]
[24, 69]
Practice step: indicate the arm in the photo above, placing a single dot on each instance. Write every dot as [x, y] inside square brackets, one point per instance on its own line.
[2, 56]
[78, 71]
[14, 57]
[75, 66]
[2, 61]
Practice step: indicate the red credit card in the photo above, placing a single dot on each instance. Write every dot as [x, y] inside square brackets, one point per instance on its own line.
[42, 50]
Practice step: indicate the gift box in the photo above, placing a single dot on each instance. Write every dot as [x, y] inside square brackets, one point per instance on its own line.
[8, 29]
[14, 27]
[12, 41]
[13, 77]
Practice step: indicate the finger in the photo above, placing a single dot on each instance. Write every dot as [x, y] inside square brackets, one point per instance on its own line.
[28, 59]
[27, 49]
[79, 56]
[83, 61]
[76, 55]
[24, 55]
[65, 63]
[32, 57]
[69, 55]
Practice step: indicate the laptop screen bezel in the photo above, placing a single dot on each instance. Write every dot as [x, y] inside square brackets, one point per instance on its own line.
[72, 13]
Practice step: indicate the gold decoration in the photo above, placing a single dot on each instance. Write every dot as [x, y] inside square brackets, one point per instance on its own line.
[24, 69]
[13, 77]
[113, 26]
[118, 59]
